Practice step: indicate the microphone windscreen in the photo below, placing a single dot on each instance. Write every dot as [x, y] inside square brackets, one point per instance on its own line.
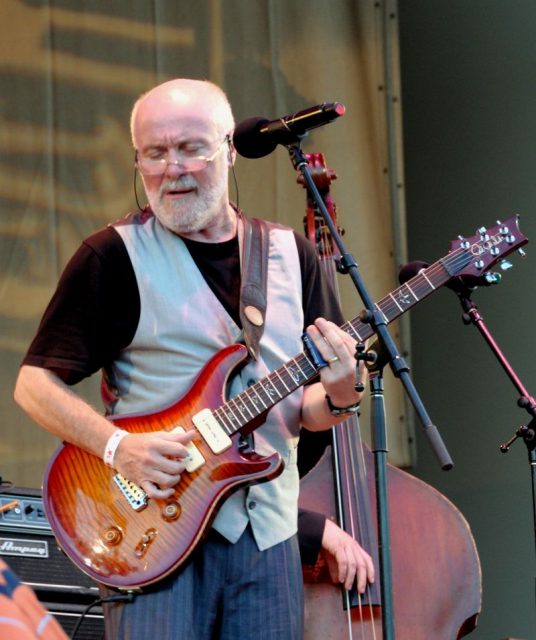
[249, 141]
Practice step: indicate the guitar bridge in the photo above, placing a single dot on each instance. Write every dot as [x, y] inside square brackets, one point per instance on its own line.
[135, 495]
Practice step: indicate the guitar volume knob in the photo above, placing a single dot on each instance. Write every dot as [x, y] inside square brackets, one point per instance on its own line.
[113, 536]
[171, 511]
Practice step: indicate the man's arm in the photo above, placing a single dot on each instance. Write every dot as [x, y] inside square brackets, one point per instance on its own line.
[345, 558]
[150, 460]
[55, 407]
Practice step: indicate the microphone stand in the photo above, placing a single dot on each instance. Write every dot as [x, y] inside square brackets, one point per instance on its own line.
[525, 401]
[380, 450]
[378, 323]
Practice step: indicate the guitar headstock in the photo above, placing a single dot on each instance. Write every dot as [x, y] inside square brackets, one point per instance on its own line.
[471, 257]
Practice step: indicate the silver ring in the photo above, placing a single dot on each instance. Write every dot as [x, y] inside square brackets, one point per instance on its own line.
[332, 359]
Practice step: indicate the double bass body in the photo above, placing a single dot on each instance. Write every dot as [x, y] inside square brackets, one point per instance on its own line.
[436, 578]
[436, 583]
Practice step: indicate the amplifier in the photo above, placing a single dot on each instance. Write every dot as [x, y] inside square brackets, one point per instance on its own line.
[28, 546]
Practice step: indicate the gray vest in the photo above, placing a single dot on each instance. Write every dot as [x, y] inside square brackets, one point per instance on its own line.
[182, 325]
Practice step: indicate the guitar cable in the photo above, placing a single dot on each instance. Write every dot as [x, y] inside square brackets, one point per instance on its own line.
[124, 597]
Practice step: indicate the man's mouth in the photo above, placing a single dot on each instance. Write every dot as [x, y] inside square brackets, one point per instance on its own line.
[178, 191]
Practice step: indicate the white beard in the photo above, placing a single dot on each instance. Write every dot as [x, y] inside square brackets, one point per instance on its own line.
[193, 213]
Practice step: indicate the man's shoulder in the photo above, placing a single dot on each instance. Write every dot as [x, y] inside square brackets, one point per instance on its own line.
[304, 247]
[109, 239]
[106, 244]
[274, 226]
[103, 240]
[137, 217]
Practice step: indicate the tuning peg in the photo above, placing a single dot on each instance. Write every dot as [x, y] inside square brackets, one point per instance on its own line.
[505, 265]
[521, 253]
[492, 277]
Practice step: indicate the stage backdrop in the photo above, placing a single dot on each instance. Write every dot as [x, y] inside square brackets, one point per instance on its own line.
[69, 73]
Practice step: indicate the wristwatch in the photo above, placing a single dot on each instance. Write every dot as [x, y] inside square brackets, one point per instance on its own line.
[342, 411]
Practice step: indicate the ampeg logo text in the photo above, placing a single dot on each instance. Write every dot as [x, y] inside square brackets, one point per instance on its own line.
[25, 548]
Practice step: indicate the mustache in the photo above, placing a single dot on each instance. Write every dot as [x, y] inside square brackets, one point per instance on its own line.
[180, 183]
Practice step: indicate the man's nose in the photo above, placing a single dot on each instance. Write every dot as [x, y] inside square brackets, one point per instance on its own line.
[175, 166]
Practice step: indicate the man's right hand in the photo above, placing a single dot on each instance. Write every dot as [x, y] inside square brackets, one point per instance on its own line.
[153, 461]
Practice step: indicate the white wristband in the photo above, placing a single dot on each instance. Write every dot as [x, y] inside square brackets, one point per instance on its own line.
[111, 446]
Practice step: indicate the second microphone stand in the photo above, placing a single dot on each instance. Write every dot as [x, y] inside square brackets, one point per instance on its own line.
[527, 432]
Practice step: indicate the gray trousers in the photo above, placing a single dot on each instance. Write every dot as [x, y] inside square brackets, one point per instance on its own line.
[227, 592]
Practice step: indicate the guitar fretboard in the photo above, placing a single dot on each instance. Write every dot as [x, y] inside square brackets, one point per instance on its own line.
[264, 394]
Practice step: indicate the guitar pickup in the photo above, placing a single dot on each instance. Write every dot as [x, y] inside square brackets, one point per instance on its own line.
[195, 458]
[212, 432]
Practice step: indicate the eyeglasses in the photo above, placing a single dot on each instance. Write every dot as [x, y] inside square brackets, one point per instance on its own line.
[156, 166]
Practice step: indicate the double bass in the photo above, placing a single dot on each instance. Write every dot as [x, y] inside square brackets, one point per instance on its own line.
[436, 577]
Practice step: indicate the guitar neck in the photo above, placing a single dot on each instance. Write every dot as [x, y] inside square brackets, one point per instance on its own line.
[267, 392]
[425, 282]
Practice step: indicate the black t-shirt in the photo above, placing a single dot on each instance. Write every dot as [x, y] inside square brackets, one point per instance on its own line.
[95, 309]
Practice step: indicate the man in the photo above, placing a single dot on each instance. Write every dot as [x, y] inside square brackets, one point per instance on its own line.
[149, 300]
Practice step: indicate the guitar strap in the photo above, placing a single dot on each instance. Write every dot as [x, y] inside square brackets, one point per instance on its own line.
[253, 288]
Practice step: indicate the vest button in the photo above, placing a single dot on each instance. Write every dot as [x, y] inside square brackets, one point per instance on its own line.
[252, 504]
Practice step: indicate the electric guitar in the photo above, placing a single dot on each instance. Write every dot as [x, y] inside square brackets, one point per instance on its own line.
[118, 536]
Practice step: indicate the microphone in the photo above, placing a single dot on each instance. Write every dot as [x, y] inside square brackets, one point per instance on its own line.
[257, 136]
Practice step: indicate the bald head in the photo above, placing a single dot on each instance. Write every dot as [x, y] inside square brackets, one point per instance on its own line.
[182, 98]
